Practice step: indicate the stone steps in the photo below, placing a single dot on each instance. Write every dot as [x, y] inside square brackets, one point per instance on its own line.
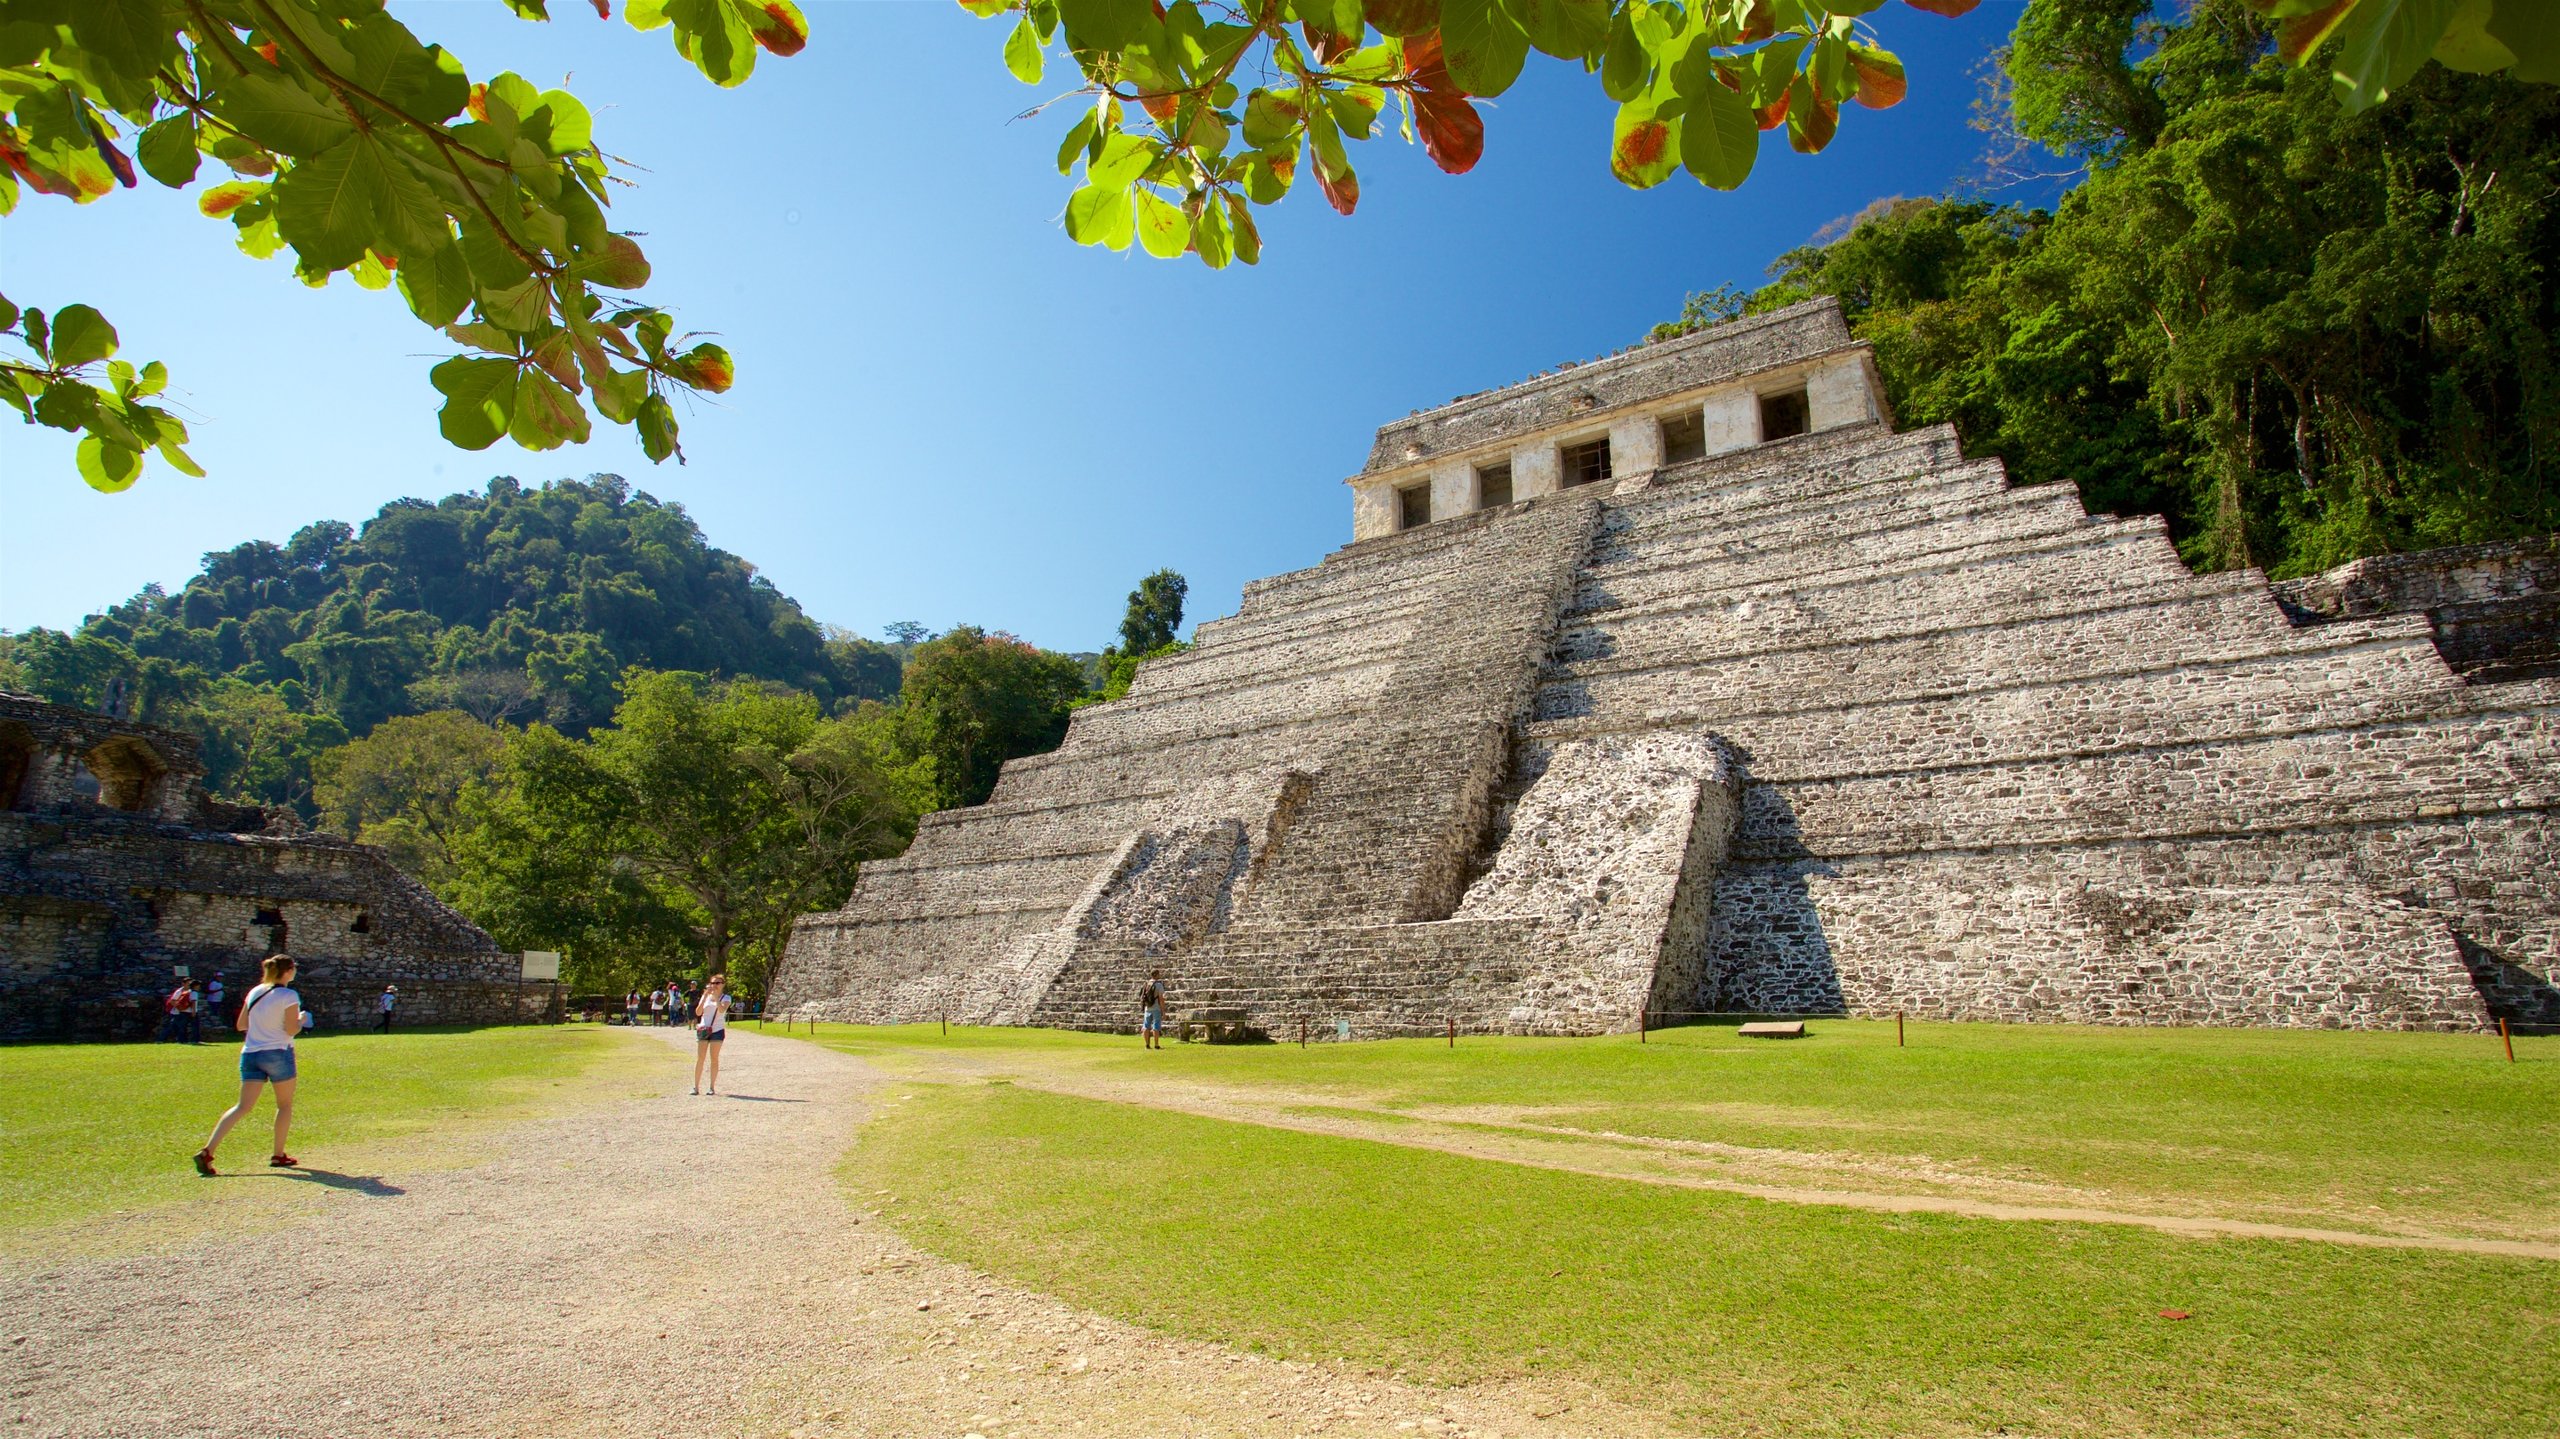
[1811, 552]
[2106, 571]
[2457, 761]
[2155, 637]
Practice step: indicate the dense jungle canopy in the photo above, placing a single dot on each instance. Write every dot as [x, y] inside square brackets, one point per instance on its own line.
[2304, 335]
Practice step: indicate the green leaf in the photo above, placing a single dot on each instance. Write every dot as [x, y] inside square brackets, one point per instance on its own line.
[1163, 229]
[1072, 148]
[1241, 234]
[2531, 33]
[1210, 237]
[546, 415]
[1482, 45]
[330, 207]
[2382, 44]
[281, 115]
[168, 151]
[569, 127]
[153, 379]
[1719, 136]
[480, 398]
[1097, 215]
[1124, 159]
[110, 468]
[1623, 65]
[715, 38]
[619, 393]
[1270, 118]
[132, 38]
[1103, 24]
[81, 336]
[1566, 29]
[617, 264]
[658, 430]
[1022, 52]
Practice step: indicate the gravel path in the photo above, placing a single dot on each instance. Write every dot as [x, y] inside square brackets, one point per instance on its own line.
[665, 1267]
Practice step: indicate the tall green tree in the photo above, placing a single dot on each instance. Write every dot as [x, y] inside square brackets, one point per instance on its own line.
[401, 787]
[721, 811]
[973, 699]
[1155, 613]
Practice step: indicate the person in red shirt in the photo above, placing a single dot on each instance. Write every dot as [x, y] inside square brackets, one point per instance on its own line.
[178, 1011]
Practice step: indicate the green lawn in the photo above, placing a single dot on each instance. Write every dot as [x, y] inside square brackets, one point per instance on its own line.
[1732, 1315]
[104, 1130]
[2371, 1130]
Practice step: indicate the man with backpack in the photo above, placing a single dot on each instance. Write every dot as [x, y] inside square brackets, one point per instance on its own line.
[1151, 1010]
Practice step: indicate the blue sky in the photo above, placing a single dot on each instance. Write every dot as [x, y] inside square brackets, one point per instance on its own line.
[944, 411]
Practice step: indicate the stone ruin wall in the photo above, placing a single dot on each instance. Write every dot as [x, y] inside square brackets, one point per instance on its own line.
[115, 870]
[1835, 723]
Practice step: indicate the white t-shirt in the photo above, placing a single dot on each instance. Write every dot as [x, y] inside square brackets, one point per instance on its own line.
[709, 1019]
[262, 1018]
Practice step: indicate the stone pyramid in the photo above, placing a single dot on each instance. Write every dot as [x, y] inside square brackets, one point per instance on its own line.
[1681, 682]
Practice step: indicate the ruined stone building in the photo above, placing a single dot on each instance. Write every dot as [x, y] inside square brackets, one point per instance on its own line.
[116, 872]
[1682, 681]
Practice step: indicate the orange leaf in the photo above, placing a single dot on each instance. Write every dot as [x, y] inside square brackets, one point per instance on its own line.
[1452, 131]
[478, 104]
[1342, 193]
[780, 28]
[1879, 88]
[1641, 149]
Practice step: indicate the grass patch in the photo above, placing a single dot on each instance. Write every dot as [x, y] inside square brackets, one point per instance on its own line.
[1737, 1316]
[108, 1127]
[2427, 1129]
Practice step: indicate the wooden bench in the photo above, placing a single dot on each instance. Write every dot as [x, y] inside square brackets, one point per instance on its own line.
[1773, 1029]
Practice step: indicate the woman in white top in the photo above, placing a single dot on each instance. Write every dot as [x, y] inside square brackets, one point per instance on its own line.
[269, 1019]
[710, 1026]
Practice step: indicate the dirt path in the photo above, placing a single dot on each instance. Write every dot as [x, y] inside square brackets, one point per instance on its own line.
[664, 1267]
[1510, 1137]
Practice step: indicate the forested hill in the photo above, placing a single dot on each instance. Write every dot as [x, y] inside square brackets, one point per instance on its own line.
[514, 603]
[2302, 334]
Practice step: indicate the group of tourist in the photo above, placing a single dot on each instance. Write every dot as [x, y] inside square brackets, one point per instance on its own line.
[668, 1005]
[189, 1009]
[272, 1016]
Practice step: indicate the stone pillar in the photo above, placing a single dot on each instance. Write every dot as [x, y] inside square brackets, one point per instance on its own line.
[1373, 509]
[1635, 448]
[1733, 420]
[1842, 392]
[52, 778]
[1454, 492]
[1535, 471]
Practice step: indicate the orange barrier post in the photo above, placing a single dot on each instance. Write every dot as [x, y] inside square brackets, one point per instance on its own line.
[1897, 1029]
[1453, 1031]
[2507, 1039]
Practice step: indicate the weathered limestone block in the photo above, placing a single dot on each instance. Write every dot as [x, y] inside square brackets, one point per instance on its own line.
[1616, 843]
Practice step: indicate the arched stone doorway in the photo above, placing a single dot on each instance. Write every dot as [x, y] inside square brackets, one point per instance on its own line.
[128, 773]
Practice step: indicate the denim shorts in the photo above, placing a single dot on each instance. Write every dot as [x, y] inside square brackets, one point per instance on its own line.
[272, 1066]
[1154, 1020]
[710, 1036]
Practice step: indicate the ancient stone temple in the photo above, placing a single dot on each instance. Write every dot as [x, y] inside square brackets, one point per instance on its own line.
[1681, 681]
[117, 873]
